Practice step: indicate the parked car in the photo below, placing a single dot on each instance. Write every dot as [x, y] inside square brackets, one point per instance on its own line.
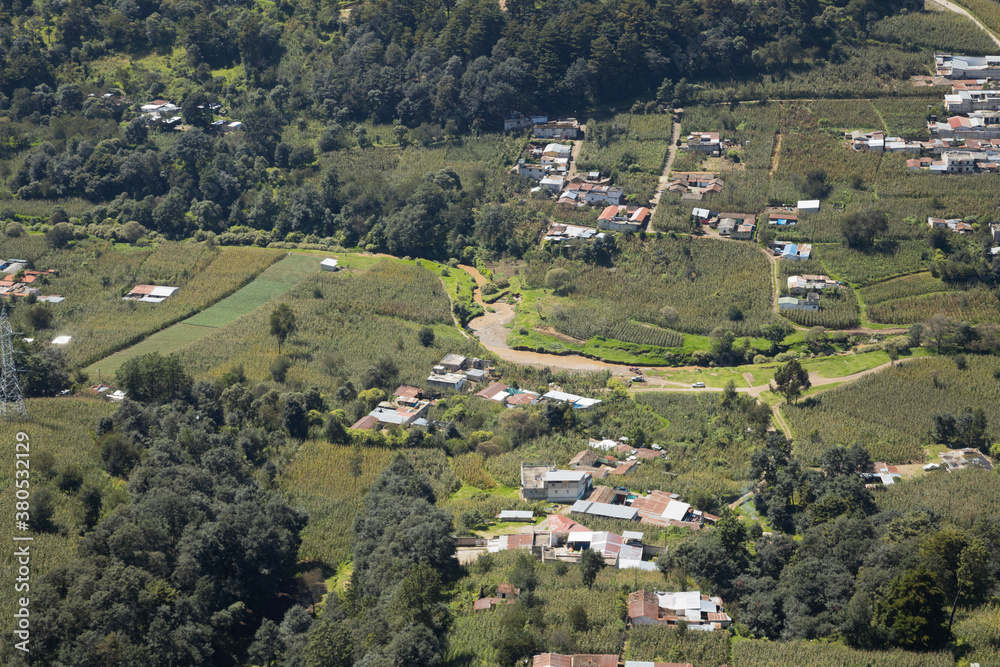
[698, 385]
[638, 378]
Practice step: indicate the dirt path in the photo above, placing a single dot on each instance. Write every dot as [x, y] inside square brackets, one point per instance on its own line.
[491, 330]
[575, 153]
[782, 424]
[774, 157]
[665, 176]
[959, 10]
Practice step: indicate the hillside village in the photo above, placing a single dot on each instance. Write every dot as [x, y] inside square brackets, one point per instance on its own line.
[706, 378]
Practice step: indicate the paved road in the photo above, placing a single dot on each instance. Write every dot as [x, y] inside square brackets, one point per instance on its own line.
[959, 10]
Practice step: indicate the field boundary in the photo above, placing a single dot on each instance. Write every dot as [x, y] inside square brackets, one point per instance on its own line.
[99, 366]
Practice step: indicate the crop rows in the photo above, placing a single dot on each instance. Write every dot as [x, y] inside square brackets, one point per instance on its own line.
[890, 412]
[761, 653]
[986, 11]
[960, 498]
[471, 470]
[941, 31]
[899, 288]
[663, 644]
[702, 279]
[980, 630]
[977, 305]
[359, 318]
[623, 155]
[863, 268]
[838, 309]
[644, 334]
[647, 127]
[93, 277]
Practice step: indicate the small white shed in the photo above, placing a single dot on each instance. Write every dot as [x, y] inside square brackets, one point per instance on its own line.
[329, 264]
[809, 206]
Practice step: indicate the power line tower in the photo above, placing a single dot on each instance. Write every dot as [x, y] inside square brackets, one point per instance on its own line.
[11, 398]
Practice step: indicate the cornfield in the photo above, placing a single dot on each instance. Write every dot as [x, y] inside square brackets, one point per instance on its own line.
[960, 498]
[759, 652]
[980, 630]
[976, 305]
[702, 279]
[838, 309]
[360, 318]
[864, 268]
[93, 277]
[890, 412]
[663, 644]
[319, 481]
[941, 31]
[471, 470]
[645, 334]
[59, 427]
[916, 284]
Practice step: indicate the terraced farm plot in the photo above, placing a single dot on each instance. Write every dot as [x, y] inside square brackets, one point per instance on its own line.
[271, 283]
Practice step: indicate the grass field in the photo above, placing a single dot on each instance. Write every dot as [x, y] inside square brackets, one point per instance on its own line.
[60, 428]
[273, 282]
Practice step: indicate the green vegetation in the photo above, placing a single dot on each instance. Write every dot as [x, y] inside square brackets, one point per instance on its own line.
[961, 498]
[701, 649]
[759, 653]
[890, 412]
[94, 275]
[337, 332]
[274, 281]
[60, 440]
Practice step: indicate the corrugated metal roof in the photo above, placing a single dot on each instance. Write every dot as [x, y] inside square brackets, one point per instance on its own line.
[606, 510]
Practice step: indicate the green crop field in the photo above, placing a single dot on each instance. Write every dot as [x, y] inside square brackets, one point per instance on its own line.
[346, 322]
[93, 276]
[274, 281]
[271, 283]
[960, 498]
[762, 653]
[60, 428]
[890, 412]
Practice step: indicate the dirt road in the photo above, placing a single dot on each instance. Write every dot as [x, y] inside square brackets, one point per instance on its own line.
[959, 10]
[665, 176]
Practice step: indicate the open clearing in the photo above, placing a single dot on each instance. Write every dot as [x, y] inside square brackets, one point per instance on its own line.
[276, 280]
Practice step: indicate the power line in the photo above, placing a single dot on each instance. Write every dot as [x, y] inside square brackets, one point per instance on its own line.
[11, 398]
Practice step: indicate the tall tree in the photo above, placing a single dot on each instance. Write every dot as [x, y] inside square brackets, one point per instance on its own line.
[791, 380]
[282, 323]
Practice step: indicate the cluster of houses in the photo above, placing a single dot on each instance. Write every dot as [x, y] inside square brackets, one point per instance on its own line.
[741, 226]
[694, 184]
[804, 292]
[795, 252]
[407, 407]
[559, 232]
[164, 114]
[585, 192]
[595, 660]
[699, 612]
[512, 396]
[968, 141]
[150, 293]
[455, 370]
[542, 127]
[878, 142]
[19, 282]
[967, 67]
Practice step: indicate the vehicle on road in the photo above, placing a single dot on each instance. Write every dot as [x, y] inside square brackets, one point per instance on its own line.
[698, 385]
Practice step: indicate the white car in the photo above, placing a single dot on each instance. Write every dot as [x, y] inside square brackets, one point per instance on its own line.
[698, 385]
